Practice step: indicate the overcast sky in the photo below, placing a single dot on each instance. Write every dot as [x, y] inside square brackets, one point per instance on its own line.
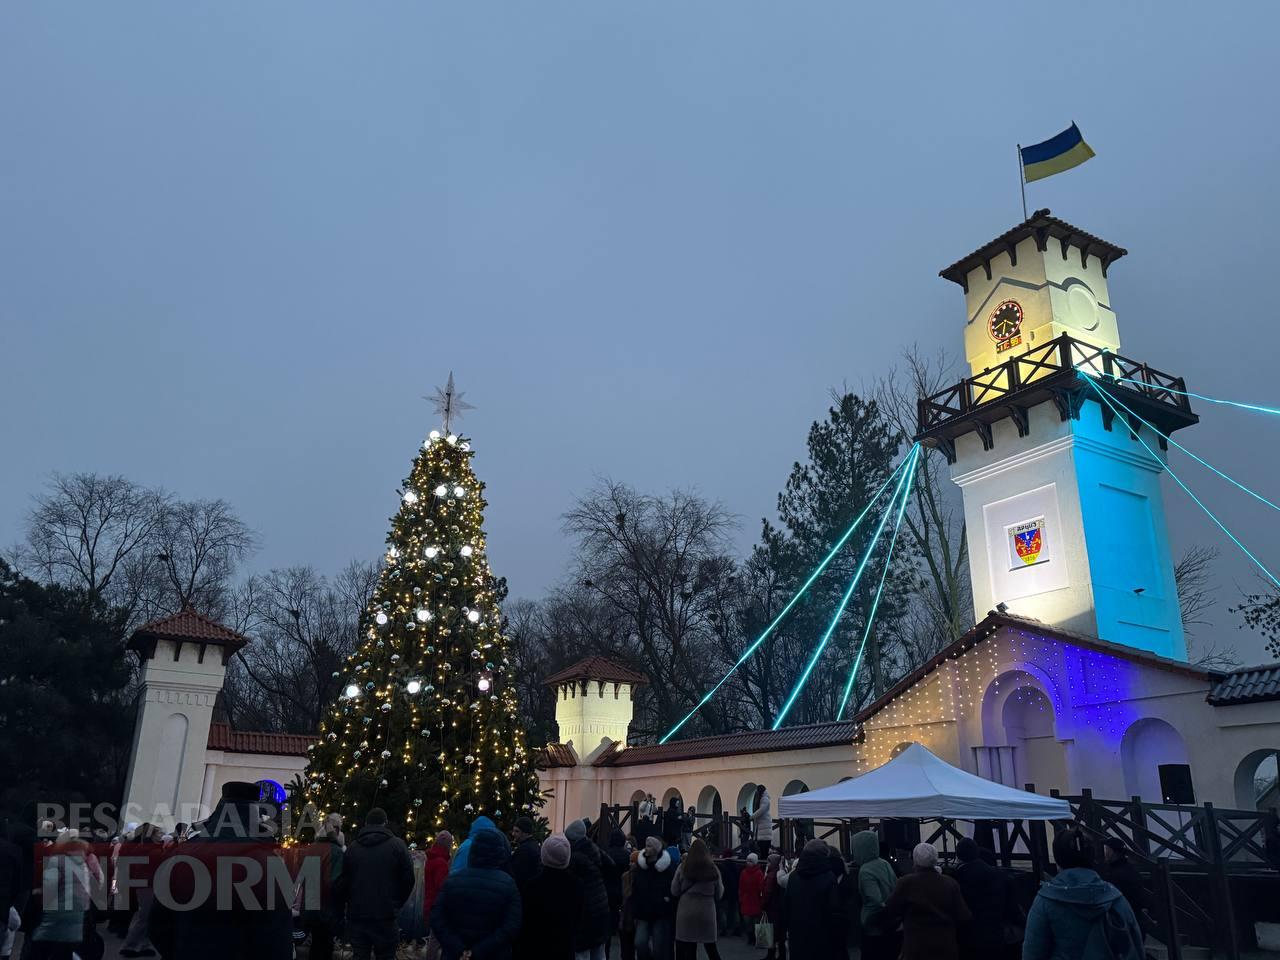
[239, 241]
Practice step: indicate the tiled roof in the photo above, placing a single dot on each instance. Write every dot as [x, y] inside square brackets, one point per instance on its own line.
[186, 625]
[222, 737]
[596, 668]
[555, 755]
[1042, 226]
[994, 621]
[1250, 685]
[729, 744]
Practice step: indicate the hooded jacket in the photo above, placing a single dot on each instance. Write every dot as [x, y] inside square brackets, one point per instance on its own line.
[377, 874]
[876, 879]
[1079, 916]
[651, 887]
[762, 819]
[478, 908]
[434, 872]
[811, 905]
[464, 850]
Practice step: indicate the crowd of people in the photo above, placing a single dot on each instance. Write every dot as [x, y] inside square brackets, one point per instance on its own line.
[590, 892]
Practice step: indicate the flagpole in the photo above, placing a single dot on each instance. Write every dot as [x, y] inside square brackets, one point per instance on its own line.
[1022, 182]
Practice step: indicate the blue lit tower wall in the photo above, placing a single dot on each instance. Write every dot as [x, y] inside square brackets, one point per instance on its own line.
[1066, 519]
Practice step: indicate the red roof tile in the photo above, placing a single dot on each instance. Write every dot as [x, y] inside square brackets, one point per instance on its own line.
[186, 625]
[555, 755]
[1042, 226]
[223, 737]
[596, 668]
[729, 744]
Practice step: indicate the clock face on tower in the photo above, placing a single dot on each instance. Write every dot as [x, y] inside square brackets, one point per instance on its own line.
[1005, 323]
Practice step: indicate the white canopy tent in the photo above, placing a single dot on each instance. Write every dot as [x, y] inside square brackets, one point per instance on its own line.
[917, 784]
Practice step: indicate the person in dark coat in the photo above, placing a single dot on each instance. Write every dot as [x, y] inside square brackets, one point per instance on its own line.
[552, 904]
[377, 878]
[323, 920]
[811, 906]
[652, 906]
[1077, 915]
[251, 923]
[772, 896]
[1123, 875]
[990, 897]
[616, 862]
[478, 910]
[672, 823]
[932, 910]
[526, 858]
[586, 863]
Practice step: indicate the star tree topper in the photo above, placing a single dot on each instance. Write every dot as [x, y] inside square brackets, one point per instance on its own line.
[449, 402]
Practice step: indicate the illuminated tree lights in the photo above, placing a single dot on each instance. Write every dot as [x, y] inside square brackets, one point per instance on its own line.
[427, 724]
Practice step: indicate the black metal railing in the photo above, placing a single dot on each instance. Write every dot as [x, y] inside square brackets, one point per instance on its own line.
[1050, 363]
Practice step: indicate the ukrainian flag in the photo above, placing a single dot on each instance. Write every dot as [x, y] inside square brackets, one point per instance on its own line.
[1055, 155]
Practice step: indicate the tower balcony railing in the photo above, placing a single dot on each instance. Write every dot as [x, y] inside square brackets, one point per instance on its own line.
[1050, 371]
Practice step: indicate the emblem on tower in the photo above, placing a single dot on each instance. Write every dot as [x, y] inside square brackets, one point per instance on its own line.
[1027, 541]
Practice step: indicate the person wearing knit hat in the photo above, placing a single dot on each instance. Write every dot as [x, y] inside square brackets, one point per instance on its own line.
[552, 903]
[576, 830]
[524, 852]
[555, 852]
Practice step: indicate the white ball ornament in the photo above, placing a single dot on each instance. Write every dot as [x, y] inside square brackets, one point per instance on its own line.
[434, 434]
[423, 614]
[431, 552]
[442, 491]
[352, 691]
[381, 618]
[410, 497]
[467, 550]
[459, 492]
[413, 686]
[451, 440]
[474, 616]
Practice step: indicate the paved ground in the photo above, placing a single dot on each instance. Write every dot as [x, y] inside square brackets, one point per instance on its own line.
[731, 948]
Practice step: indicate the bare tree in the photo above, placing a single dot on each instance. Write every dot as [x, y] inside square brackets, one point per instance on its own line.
[302, 628]
[1193, 576]
[934, 518]
[655, 562]
[200, 543]
[85, 528]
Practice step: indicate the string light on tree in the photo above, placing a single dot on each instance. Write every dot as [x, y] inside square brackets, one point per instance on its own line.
[427, 725]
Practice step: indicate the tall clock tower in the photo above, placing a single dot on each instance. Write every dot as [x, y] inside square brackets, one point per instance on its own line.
[1063, 504]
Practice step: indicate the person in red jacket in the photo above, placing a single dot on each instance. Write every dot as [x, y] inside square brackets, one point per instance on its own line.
[434, 872]
[750, 895]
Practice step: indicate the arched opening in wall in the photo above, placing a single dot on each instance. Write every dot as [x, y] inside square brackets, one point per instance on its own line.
[638, 796]
[746, 798]
[1148, 745]
[1018, 712]
[709, 803]
[667, 797]
[1257, 785]
[897, 751]
[804, 827]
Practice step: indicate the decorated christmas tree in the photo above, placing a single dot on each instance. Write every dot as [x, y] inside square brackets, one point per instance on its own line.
[426, 724]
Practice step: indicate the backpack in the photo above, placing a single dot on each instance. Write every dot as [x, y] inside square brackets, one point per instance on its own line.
[1110, 937]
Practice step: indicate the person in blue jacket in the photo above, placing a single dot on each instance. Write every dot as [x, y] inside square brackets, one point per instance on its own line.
[478, 825]
[477, 912]
[1077, 915]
